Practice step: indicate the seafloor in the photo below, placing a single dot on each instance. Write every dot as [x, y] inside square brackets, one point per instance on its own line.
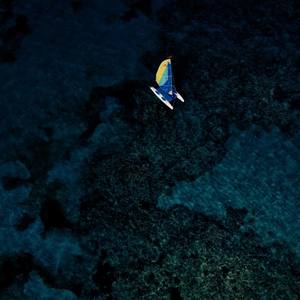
[107, 194]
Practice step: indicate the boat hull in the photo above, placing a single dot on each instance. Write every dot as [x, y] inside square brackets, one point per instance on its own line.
[179, 97]
[161, 97]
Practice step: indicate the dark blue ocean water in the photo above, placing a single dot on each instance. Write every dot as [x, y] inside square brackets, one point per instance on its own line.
[105, 193]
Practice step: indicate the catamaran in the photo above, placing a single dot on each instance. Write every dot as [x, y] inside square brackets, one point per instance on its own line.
[164, 78]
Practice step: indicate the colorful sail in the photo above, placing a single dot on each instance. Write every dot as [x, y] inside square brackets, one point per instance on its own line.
[164, 77]
[162, 72]
[166, 91]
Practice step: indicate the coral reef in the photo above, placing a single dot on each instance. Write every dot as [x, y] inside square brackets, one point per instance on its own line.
[260, 173]
[105, 194]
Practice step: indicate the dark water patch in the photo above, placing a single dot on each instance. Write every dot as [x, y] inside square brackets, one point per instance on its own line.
[46, 200]
[14, 268]
[25, 222]
[129, 15]
[76, 5]
[5, 11]
[7, 55]
[235, 216]
[295, 269]
[53, 215]
[10, 183]
[151, 277]
[149, 58]
[295, 102]
[136, 7]
[175, 294]
[48, 131]
[7, 3]
[104, 276]
[14, 27]
[224, 271]
[146, 205]
[280, 93]
[21, 27]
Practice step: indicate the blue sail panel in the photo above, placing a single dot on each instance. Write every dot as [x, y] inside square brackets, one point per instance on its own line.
[167, 95]
[164, 79]
[168, 80]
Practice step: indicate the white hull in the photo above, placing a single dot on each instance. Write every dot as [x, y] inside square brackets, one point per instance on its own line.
[160, 97]
[179, 97]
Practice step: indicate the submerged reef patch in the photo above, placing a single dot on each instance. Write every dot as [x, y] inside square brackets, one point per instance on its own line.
[160, 254]
[260, 173]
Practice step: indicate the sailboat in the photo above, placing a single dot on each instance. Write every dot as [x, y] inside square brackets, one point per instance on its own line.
[166, 91]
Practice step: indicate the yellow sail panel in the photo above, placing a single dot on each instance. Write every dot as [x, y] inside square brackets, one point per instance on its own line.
[162, 72]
